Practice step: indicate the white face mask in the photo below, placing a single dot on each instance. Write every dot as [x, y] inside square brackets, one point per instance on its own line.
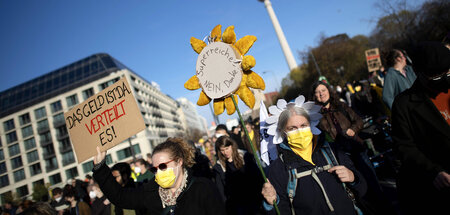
[92, 194]
[219, 135]
[137, 169]
[58, 199]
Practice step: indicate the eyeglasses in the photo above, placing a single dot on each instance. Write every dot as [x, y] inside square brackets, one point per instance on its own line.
[161, 166]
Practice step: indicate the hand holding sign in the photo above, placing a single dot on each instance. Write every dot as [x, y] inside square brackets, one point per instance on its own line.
[104, 120]
[100, 156]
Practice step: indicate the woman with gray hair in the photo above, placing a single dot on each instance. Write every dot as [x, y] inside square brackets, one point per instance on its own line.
[309, 177]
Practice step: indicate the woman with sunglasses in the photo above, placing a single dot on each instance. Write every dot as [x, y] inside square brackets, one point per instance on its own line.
[238, 178]
[173, 191]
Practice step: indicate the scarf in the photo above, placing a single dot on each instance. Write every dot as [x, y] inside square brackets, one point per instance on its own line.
[167, 197]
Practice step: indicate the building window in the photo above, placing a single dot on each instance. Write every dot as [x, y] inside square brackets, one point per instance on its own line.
[56, 106]
[9, 125]
[16, 162]
[59, 120]
[19, 175]
[11, 137]
[72, 100]
[14, 150]
[72, 173]
[126, 152]
[35, 169]
[27, 131]
[45, 137]
[4, 181]
[24, 119]
[40, 113]
[68, 158]
[109, 159]
[3, 168]
[87, 167]
[22, 191]
[88, 93]
[51, 164]
[39, 182]
[30, 144]
[2, 156]
[32, 156]
[55, 179]
[102, 86]
[42, 125]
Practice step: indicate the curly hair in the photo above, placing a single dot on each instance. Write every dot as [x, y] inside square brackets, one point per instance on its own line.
[178, 149]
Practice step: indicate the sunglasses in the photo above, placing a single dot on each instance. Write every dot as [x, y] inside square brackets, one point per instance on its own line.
[161, 166]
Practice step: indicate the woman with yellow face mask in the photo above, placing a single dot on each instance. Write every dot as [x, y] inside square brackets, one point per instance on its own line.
[174, 189]
[308, 176]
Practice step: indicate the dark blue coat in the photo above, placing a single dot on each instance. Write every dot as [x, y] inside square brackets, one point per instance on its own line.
[309, 198]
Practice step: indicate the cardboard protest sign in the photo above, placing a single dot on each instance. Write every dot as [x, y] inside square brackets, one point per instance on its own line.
[105, 119]
[373, 59]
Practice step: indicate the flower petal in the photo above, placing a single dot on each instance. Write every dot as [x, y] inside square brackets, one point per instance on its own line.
[219, 106]
[228, 35]
[255, 81]
[246, 96]
[229, 105]
[203, 99]
[272, 130]
[315, 131]
[197, 44]
[248, 62]
[281, 104]
[216, 33]
[192, 83]
[300, 100]
[272, 119]
[274, 110]
[245, 43]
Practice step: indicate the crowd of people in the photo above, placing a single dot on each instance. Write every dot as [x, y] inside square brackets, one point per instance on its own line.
[323, 165]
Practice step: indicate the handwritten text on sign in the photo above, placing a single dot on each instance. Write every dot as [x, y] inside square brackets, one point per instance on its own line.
[219, 69]
[104, 120]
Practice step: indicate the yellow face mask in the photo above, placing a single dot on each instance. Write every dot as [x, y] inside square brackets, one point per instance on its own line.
[300, 141]
[165, 178]
[300, 138]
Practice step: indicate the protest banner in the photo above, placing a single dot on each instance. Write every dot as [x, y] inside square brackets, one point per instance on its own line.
[104, 119]
[373, 59]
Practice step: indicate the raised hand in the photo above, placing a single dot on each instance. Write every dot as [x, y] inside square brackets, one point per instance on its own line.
[100, 156]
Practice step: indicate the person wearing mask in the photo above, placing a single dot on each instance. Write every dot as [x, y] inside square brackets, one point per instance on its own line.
[141, 167]
[399, 76]
[100, 204]
[341, 126]
[309, 176]
[421, 133]
[76, 207]
[121, 172]
[237, 177]
[57, 201]
[174, 190]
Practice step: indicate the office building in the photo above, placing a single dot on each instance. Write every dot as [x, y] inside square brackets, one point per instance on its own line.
[35, 146]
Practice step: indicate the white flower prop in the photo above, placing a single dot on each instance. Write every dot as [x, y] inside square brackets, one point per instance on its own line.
[275, 111]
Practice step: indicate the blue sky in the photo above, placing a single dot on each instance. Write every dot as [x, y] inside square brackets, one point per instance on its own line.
[152, 37]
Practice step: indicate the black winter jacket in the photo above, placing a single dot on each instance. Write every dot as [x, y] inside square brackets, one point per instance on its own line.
[200, 197]
[309, 198]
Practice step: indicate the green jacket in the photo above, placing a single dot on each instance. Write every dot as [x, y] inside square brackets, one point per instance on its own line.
[395, 83]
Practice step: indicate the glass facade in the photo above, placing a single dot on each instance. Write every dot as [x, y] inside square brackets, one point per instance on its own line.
[59, 81]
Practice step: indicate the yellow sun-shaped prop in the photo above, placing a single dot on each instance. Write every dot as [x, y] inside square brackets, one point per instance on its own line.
[223, 71]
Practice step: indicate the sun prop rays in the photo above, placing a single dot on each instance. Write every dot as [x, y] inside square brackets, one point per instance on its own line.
[249, 78]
